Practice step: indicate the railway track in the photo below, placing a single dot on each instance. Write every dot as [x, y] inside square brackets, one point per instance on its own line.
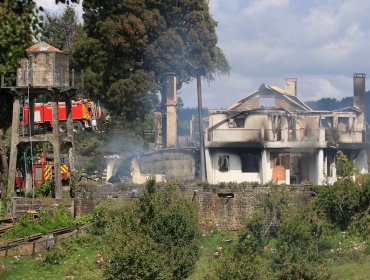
[6, 245]
[5, 224]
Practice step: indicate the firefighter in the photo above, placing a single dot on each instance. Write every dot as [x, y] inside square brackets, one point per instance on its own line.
[83, 172]
[94, 124]
[107, 122]
[95, 175]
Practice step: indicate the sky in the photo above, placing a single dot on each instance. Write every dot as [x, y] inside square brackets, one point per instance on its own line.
[319, 42]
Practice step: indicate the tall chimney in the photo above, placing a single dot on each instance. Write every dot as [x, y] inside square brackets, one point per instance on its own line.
[290, 86]
[359, 99]
[359, 91]
[171, 102]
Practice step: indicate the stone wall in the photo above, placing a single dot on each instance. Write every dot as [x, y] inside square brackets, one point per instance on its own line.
[223, 207]
[19, 206]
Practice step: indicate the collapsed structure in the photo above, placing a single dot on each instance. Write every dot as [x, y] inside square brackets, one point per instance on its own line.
[271, 135]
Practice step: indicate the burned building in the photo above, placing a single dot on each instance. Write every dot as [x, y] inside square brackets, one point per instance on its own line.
[271, 135]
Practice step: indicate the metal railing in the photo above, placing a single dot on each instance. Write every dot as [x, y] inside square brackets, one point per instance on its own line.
[59, 78]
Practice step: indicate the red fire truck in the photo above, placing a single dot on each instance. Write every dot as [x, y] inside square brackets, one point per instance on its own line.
[43, 170]
[82, 113]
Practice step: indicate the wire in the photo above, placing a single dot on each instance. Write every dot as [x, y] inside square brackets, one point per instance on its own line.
[25, 148]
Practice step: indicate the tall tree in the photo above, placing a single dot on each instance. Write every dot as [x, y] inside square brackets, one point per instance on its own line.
[151, 36]
[58, 30]
[17, 22]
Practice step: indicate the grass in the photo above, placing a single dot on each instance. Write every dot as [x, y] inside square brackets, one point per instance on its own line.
[350, 269]
[344, 264]
[76, 260]
[210, 242]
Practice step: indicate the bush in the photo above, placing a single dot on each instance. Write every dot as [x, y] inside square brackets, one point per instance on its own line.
[247, 259]
[137, 257]
[45, 189]
[341, 201]
[168, 222]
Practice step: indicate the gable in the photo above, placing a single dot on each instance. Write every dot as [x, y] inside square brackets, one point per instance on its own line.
[269, 97]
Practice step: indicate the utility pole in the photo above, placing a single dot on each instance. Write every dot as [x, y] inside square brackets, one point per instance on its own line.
[203, 170]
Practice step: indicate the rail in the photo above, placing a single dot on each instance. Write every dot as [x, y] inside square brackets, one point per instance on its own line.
[240, 134]
[267, 135]
[40, 241]
[38, 78]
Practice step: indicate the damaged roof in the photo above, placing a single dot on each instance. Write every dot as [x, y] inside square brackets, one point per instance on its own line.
[273, 90]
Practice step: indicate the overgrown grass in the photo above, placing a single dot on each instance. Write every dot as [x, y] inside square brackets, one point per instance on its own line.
[351, 269]
[74, 259]
[27, 225]
[210, 243]
[346, 256]
[77, 258]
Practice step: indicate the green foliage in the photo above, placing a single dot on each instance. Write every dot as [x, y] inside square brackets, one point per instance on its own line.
[275, 203]
[165, 220]
[27, 225]
[74, 257]
[252, 237]
[135, 43]
[58, 30]
[133, 97]
[360, 225]
[341, 201]
[246, 259]
[18, 22]
[137, 257]
[18, 19]
[344, 167]
[45, 189]
[241, 267]
[281, 241]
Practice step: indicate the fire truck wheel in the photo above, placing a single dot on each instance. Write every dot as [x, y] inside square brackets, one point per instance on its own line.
[77, 126]
[62, 127]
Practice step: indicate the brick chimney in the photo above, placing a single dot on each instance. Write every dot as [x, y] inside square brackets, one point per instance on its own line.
[171, 102]
[359, 98]
[290, 86]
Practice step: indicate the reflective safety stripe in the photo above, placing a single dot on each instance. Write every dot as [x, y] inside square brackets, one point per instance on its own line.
[85, 112]
[63, 168]
[47, 172]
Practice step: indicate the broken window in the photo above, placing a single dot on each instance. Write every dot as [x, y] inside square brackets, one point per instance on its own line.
[224, 163]
[250, 163]
[343, 123]
[239, 122]
[232, 123]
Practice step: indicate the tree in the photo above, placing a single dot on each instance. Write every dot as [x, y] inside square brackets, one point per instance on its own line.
[345, 167]
[17, 22]
[151, 36]
[58, 30]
